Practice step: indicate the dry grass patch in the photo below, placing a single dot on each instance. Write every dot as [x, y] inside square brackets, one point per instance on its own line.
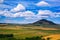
[53, 37]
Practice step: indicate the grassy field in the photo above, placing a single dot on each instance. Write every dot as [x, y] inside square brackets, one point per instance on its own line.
[30, 31]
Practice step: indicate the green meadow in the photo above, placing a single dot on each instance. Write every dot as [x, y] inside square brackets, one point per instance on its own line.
[27, 31]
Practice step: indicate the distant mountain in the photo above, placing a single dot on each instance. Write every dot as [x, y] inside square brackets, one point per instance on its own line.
[3, 23]
[44, 21]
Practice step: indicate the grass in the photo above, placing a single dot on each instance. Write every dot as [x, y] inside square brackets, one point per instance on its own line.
[22, 31]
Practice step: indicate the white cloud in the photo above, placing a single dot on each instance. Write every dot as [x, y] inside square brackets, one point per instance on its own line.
[19, 7]
[17, 14]
[47, 13]
[1, 1]
[30, 14]
[44, 13]
[41, 12]
[24, 14]
[27, 13]
[6, 13]
[1, 12]
[52, 0]
[42, 3]
[56, 14]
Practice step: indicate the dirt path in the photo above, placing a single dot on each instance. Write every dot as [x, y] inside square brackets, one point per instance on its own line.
[53, 37]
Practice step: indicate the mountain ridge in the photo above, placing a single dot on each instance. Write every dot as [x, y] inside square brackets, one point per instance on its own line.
[44, 21]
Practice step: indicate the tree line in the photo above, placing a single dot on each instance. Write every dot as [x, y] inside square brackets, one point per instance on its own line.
[11, 37]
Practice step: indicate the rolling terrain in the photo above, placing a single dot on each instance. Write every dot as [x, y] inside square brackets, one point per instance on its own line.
[48, 29]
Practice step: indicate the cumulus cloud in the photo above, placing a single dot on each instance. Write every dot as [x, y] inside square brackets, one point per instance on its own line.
[19, 7]
[17, 14]
[24, 14]
[44, 13]
[1, 1]
[27, 13]
[30, 14]
[41, 12]
[48, 13]
[5, 13]
[42, 3]
[52, 0]
[56, 14]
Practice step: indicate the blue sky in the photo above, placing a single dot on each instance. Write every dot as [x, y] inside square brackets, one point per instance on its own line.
[29, 11]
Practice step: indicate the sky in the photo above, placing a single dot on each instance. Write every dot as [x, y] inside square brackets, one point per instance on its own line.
[29, 11]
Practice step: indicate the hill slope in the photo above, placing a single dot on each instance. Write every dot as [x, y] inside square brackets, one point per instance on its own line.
[44, 21]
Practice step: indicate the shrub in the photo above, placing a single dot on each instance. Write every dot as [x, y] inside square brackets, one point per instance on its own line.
[35, 38]
[6, 35]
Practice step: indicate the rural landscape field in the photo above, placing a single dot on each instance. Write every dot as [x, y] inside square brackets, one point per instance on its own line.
[23, 31]
[29, 19]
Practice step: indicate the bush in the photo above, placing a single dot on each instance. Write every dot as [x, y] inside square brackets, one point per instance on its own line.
[6, 35]
[35, 38]
[48, 38]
